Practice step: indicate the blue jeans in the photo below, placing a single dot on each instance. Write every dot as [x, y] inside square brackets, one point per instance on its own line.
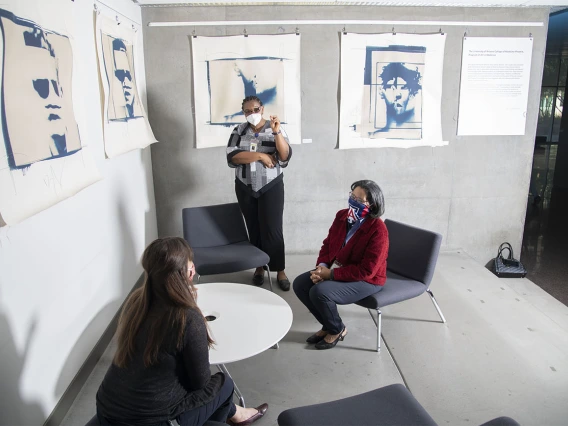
[322, 298]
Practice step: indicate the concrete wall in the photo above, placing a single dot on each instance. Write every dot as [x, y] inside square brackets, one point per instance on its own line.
[66, 270]
[473, 191]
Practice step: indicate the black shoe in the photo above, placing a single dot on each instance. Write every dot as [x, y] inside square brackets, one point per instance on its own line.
[258, 279]
[284, 284]
[314, 338]
[322, 344]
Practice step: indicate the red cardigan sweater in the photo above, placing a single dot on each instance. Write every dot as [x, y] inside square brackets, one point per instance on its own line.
[364, 257]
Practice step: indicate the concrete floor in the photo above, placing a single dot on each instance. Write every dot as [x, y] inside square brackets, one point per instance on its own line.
[503, 351]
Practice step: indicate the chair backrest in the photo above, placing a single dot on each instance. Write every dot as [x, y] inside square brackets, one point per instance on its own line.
[213, 226]
[413, 252]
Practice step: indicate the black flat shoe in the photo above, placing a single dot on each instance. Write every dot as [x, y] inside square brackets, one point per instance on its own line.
[322, 344]
[258, 279]
[314, 338]
[284, 284]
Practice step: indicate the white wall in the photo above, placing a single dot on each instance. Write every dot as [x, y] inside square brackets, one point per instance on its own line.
[65, 271]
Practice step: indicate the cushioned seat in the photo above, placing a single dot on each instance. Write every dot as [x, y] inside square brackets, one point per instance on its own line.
[396, 289]
[220, 242]
[413, 253]
[391, 405]
[501, 421]
[229, 258]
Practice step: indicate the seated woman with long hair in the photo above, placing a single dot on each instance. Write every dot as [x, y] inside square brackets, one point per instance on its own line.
[161, 368]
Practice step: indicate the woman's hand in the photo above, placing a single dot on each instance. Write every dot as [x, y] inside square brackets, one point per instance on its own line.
[274, 123]
[321, 273]
[268, 160]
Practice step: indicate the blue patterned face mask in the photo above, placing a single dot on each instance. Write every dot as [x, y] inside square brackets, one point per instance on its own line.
[357, 211]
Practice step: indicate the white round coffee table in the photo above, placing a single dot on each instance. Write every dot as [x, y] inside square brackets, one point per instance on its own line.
[239, 313]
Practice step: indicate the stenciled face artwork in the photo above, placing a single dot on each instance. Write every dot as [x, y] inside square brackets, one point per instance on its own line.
[37, 106]
[123, 100]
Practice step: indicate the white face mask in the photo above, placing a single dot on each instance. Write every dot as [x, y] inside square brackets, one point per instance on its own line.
[254, 119]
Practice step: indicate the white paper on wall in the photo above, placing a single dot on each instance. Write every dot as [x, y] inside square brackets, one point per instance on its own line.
[125, 123]
[227, 69]
[42, 158]
[391, 90]
[494, 85]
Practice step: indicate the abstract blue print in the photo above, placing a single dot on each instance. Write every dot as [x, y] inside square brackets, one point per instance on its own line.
[230, 80]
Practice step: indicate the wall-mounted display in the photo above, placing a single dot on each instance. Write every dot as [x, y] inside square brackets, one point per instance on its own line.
[43, 159]
[125, 122]
[391, 90]
[228, 69]
[494, 87]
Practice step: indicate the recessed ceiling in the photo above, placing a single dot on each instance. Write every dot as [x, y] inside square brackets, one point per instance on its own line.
[454, 3]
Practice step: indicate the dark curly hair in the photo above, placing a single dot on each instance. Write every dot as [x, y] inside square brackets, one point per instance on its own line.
[250, 98]
[374, 197]
[398, 69]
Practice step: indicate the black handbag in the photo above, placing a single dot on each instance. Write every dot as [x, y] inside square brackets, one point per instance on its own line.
[508, 267]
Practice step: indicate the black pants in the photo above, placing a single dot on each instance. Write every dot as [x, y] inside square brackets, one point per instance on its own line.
[264, 217]
[322, 298]
[218, 410]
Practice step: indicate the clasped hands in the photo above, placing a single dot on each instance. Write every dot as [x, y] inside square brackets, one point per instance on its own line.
[320, 274]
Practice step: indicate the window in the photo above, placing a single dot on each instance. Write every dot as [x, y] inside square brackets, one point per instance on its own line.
[552, 97]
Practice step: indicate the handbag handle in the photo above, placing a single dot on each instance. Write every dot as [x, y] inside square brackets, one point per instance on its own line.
[506, 246]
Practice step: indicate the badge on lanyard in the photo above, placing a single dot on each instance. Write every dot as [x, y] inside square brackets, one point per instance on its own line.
[253, 147]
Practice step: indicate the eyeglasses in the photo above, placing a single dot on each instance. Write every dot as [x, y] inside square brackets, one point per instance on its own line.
[359, 200]
[123, 75]
[250, 111]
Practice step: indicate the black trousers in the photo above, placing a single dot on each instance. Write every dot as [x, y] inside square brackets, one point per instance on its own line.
[218, 410]
[264, 218]
[322, 298]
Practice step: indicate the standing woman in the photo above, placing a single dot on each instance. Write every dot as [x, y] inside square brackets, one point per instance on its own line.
[160, 371]
[259, 150]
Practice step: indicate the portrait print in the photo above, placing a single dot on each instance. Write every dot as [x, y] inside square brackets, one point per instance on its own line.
[123, 101]
[37, 107]
[392, 95]
[231, 80]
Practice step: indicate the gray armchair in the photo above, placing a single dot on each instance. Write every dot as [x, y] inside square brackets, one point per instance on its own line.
[413, 253]
[219, 239]
[391, 405]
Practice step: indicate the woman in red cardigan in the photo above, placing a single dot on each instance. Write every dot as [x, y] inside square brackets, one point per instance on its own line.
[352, 263]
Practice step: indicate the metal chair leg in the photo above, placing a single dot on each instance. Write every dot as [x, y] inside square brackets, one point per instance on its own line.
[378, 325]
[436, 305]
[237, 391]
[269, 277]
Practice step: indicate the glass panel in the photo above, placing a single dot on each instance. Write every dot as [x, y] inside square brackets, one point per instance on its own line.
[544, 125]
[550, 72]
[557, 115]
[563, 71]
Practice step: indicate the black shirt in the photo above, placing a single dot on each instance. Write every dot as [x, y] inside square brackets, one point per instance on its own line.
[179, 381]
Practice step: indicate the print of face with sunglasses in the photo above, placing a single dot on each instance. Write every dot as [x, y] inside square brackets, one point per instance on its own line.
[123, 74]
